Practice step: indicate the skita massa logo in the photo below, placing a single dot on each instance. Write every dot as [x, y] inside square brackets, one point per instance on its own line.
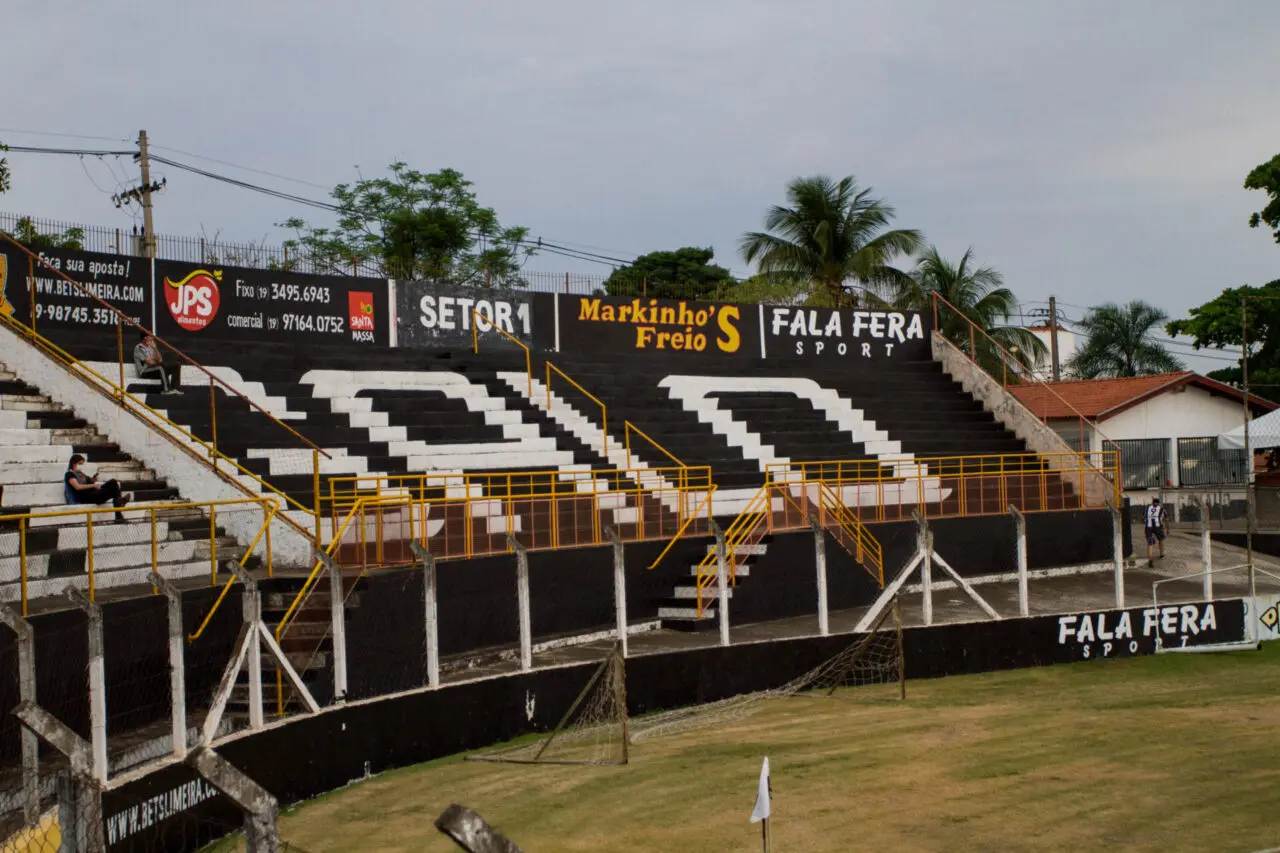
[193, 302]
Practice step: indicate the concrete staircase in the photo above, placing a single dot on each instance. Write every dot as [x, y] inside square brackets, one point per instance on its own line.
[680, 612]
[37, 439]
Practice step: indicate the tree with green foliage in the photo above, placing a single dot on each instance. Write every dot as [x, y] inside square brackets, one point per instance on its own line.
[1266, 177]
[25, 232]
[1218, 324]
[1118, 343]
[979, 298]
[835, 238]
[686, 273]
[416, 225]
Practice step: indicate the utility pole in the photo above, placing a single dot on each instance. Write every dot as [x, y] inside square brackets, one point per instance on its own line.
[148, 229]
[1052, 333]
[1249, 509]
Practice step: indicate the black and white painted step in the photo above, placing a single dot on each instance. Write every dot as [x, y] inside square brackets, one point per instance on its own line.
[680, 612]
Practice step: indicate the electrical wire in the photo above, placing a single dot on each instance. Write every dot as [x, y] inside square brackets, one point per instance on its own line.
[242, 168]
[82, 152]
[63, 135]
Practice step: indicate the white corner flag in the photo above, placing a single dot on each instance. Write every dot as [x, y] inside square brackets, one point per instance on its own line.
[763, 793]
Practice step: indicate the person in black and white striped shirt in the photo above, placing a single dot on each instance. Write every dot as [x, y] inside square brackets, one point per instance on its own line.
[1156, 527]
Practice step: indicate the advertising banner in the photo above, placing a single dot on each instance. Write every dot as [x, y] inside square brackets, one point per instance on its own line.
[440, 316]
[122, 281]
[1125, 633]
[231, 303]
[843, 334]
[696, 330]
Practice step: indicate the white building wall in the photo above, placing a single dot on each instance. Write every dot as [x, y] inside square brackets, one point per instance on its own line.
[1188, 412]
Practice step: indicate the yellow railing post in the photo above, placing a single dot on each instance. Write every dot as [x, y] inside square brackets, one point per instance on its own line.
[315, 485]
[88, 535]
[266, 523]
[22, 560]
[213, 546]
[155, 549]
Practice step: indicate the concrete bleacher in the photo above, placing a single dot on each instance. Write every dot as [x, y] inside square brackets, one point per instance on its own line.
[37, 440]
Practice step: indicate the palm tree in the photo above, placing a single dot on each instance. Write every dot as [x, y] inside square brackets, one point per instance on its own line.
[980, 299]
[833, 236]
[1118, 342]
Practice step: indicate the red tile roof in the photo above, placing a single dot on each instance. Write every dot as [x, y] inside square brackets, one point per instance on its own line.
[1098, 399]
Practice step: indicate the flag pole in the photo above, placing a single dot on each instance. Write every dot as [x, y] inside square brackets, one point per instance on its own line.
[764, 833]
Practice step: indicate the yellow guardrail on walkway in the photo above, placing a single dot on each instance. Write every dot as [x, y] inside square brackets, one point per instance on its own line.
[960, 486]
[476, 318]
[116, 389]
[110, 546]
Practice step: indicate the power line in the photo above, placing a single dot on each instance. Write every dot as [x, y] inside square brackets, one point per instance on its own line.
[78, 152]
[280, 194]
[242, 168]
[63, 135]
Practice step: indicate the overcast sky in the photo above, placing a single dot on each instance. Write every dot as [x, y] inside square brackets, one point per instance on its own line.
[1091, 150]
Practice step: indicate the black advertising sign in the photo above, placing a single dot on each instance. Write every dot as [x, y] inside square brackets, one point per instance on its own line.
[607, 324]
[438, 316]
[232, 303]
[1124, 633]
[122, 281]
[845, 334]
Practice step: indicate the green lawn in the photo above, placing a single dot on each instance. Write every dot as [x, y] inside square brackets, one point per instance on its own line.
[1178, 752]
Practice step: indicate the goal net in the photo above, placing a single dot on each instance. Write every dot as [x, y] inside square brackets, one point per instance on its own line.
[592, 731]
[873, 665]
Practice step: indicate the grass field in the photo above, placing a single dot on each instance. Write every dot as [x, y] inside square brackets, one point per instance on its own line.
[1166, 753]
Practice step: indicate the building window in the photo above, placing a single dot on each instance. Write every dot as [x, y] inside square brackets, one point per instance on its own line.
[1143, 462]
[1201, 463]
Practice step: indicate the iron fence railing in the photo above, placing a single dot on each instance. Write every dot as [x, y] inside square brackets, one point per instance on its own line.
[1202, 463]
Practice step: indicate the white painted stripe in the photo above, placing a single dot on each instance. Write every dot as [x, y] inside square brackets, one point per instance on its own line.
[761, 307]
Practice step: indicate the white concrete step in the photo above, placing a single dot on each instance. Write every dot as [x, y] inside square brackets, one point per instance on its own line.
[743, 571]
[70, 537]
[112, 558]
[27, 403]
[25, 437]
[51, 587]
[756, 550]
[709, 593]
[10, 419]
[689, 613]
[37, 453]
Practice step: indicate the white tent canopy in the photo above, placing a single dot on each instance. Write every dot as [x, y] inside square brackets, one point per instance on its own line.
[1264, 433]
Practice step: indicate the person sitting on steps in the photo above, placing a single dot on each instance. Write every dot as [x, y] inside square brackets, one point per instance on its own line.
[148, 361]
[80, 488]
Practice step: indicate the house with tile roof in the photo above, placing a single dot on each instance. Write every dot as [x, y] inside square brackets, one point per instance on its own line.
[1164, 425]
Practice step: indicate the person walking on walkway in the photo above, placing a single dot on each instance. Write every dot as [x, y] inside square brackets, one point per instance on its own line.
[1157, 528]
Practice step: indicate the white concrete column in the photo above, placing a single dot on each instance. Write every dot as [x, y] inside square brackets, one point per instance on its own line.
[522, 602]
[177, 669]
[722, 585]
[619, 589]
[1020, 537]
[820, 566]
[1117, 545]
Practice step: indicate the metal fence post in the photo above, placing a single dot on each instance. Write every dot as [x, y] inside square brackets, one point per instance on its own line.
[619, 588]
[820, 566]
[1206, 550]
[1117, 529]
[522, 602]
[337, 625]
[1020, 535]
[924, 543]
[432, 617]
[722, 583]
[26, 695]
[177, 675]
[97, 684]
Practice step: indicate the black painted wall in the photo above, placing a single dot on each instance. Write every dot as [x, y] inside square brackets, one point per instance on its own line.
[311, 755]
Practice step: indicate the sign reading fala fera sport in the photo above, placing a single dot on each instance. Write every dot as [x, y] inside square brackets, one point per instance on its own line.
[232, 303]
[710, 329]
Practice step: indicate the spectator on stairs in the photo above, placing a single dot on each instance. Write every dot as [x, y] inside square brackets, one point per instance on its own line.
[80, 488]
[149, 362]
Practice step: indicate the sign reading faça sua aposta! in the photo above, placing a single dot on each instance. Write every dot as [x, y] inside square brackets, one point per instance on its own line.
[232, 303]
[102, 282]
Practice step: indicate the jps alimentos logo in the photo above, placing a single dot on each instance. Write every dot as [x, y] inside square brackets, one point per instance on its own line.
[194, 300]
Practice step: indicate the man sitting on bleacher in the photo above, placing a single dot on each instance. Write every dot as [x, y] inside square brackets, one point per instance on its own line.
[79, 488]
[148, 361]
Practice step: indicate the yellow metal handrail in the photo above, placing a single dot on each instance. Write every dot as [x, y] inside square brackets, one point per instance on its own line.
[604, 411]
[119, 391]
[697, 513]
[265, 529]
[628, 428]
[866, 547]
[475, 343]
[158, 422]
[27, 521]
[1000, 467]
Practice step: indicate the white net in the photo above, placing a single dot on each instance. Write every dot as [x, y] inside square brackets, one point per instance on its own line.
[592, 731]
[874, 664]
